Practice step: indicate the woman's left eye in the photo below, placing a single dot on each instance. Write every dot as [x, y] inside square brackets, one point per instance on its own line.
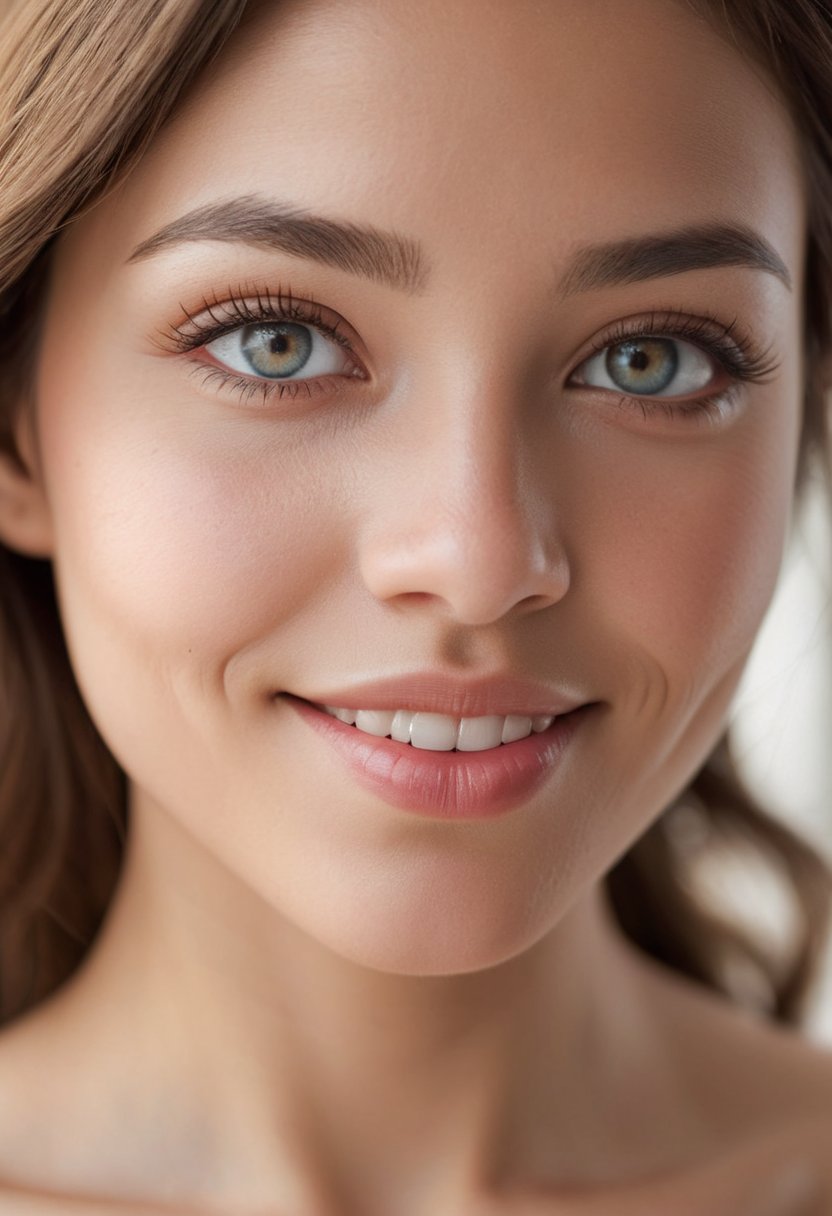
[649, 366]
[279, 350]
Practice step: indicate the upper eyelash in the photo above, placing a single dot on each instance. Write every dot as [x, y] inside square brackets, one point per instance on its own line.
[733, 348]
[238, 311]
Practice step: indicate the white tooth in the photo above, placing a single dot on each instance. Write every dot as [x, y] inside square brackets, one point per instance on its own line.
[478, 734]
[542, 722]
[375, 721]
[343, 715]
[516, 727]
[434, 732]
[400, 730]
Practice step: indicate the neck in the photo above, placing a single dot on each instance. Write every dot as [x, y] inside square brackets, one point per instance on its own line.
[290, 1075]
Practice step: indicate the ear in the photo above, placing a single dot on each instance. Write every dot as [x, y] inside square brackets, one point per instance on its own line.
[25, 514]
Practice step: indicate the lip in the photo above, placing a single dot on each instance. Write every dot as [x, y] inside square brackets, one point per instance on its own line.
[433, 692]
[445, 785]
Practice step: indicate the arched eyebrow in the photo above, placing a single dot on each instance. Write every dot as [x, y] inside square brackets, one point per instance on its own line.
[384, 257]
[401, 263]
[696, 247]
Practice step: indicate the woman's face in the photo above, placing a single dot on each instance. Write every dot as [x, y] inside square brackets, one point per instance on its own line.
[485, 481]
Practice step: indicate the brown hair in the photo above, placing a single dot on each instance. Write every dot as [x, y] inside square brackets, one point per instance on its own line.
[84, 86]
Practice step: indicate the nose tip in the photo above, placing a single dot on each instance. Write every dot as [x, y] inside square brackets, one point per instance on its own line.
[477, 569]
[465, 515]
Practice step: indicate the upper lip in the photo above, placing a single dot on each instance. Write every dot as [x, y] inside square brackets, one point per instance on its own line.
[432, 692]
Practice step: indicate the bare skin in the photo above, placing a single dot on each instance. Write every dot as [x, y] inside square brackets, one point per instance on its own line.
[305, 1001]
[761, 1147]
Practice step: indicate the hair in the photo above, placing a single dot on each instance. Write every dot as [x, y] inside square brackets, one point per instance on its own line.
[84, 87]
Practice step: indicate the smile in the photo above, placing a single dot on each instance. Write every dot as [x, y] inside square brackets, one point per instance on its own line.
[440, 779]
[440, 732]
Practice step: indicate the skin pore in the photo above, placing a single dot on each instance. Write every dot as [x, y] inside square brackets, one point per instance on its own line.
[304, 999]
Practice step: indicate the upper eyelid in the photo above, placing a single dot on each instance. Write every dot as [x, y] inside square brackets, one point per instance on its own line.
[237, 311]
[232, 311]
[733, 348]
[738, 356]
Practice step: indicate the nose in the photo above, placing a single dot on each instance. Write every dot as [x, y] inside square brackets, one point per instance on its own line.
[467, 515]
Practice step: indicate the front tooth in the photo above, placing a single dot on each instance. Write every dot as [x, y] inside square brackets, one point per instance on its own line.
[542, 722]
[375, 721]
[434, 732]
[516, 727]
[478, 734]
[400, 730]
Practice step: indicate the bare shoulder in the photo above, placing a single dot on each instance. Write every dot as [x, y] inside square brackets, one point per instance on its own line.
[769, 1178]
[766, 1092]
[760, 1083]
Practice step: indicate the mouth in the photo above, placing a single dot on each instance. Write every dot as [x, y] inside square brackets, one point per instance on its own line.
[429, 731]
[440, 781]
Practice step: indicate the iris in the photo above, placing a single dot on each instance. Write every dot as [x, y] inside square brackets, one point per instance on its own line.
[275, 350]
[643, 365]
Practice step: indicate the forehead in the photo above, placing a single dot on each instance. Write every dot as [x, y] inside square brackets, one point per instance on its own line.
[478, 124]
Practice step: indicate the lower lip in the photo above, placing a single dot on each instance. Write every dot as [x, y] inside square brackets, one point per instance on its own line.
[447, 785]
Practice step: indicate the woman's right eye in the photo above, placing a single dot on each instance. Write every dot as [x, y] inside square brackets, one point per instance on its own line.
[280, 350]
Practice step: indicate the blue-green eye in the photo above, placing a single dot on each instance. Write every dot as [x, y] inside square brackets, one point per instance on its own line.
[279, 350]
[650, 366]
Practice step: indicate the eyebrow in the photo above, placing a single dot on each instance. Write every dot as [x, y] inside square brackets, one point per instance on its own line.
[696, 247]
[399, 262]
[384, 257]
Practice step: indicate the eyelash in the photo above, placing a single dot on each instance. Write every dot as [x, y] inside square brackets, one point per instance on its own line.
[733, 350]
[235, 310]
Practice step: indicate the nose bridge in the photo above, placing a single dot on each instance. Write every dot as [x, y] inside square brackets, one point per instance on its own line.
[473, 522]
[478, 466]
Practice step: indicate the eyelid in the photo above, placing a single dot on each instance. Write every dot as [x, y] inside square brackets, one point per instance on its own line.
[732, 348]
[245, 306]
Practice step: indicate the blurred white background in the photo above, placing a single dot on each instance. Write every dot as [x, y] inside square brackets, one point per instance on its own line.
[782, 720]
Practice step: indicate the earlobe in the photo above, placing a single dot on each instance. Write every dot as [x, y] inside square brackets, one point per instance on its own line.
[25, 515]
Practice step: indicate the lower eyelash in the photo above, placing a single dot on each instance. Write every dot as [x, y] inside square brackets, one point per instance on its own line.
[734, 352]
[733, 349]
[245, 306]
[706, 409]
[264, 389]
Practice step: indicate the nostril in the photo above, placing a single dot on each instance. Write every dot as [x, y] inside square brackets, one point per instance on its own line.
[534, 603]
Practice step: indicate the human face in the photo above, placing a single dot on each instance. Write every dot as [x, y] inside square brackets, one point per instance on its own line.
[475, 501]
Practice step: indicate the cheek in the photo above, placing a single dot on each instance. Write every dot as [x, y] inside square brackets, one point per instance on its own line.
[182, 537]
[723, 558]
[179, 542]
[683, 545]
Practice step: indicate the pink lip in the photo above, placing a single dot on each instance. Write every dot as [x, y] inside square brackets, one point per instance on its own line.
[435, 692]
[448, 785]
